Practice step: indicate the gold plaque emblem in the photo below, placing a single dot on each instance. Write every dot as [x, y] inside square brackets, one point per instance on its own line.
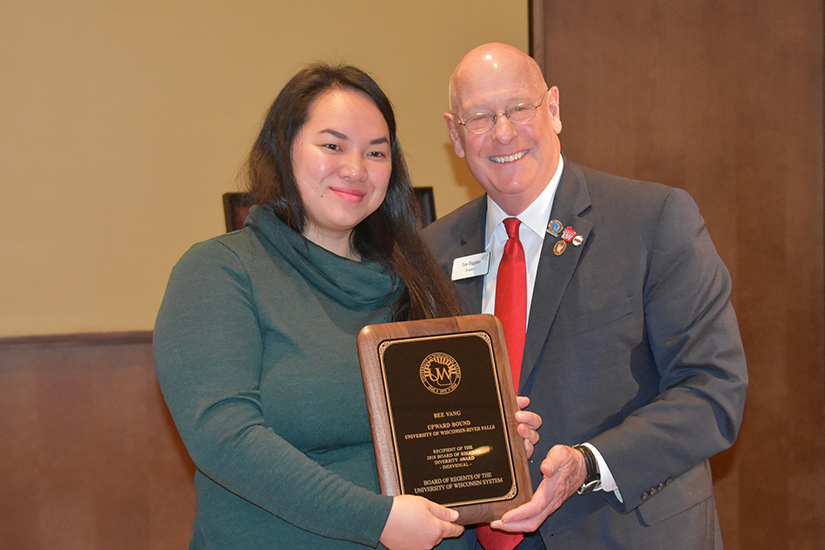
[440, 373]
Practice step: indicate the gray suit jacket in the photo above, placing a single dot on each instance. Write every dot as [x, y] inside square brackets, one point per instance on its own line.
[632, 345]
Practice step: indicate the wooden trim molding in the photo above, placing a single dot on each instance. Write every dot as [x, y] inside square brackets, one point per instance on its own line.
[81, 339]
[535, 13]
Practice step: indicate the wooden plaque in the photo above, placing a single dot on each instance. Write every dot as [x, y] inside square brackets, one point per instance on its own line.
[441, 403]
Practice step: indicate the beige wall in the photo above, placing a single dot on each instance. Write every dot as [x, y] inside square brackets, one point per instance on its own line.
[123, 123]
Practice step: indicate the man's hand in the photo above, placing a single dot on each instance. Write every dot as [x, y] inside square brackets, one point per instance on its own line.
[529, 422]
[564, 472]
[416, 523]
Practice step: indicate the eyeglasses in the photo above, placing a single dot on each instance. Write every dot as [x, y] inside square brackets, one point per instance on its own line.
[520, 114]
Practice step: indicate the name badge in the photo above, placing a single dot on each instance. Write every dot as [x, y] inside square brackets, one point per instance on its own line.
[471, 266]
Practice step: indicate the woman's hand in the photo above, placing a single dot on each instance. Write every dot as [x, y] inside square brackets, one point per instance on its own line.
[529, 422]
[416, 523]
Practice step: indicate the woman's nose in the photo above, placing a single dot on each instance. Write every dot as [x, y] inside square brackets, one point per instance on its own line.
[353, 168]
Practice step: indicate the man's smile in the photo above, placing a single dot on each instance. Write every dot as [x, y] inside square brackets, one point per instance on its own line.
[509, 158]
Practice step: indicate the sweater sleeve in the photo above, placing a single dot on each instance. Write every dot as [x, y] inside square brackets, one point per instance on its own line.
[208, 357]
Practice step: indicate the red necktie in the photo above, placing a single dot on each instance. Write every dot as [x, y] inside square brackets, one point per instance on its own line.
[511, 309]
[511, 296]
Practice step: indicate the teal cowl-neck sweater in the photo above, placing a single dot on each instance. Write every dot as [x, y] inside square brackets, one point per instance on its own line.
[255, 350]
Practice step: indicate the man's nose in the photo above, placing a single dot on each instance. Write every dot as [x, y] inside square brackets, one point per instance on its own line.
[503, 130]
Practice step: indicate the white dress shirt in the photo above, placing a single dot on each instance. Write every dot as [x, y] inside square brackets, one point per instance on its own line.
[532, 230]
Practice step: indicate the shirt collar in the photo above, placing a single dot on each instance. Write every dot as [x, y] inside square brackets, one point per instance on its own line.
[536, 216]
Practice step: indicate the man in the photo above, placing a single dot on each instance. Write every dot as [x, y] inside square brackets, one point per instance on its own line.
[632, 347]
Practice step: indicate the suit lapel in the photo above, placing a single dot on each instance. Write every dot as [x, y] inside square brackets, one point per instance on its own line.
[555, 270]
[470, 240]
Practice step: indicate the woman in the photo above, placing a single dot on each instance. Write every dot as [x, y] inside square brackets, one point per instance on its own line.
[255, 340]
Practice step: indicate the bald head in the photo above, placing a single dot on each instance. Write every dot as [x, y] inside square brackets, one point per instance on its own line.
[489, 63]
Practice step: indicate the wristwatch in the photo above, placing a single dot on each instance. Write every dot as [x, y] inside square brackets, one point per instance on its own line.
[593, 480]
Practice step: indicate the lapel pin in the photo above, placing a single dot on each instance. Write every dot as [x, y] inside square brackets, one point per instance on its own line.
[578, 240]
[568, 234]
[554, 227]
[559, 247]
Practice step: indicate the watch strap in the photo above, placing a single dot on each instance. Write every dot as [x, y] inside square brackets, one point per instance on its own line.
[592, 480]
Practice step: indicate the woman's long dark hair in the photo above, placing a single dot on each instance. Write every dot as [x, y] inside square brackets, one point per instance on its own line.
[391, 234]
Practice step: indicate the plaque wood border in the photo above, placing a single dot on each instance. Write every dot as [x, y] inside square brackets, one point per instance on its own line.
[370, 341]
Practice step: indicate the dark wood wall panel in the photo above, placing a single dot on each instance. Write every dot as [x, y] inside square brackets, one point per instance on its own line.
[89, 457]
[725, 100]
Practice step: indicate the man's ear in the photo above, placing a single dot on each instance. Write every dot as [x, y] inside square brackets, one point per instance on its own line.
[553, 107]
[458, 147]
